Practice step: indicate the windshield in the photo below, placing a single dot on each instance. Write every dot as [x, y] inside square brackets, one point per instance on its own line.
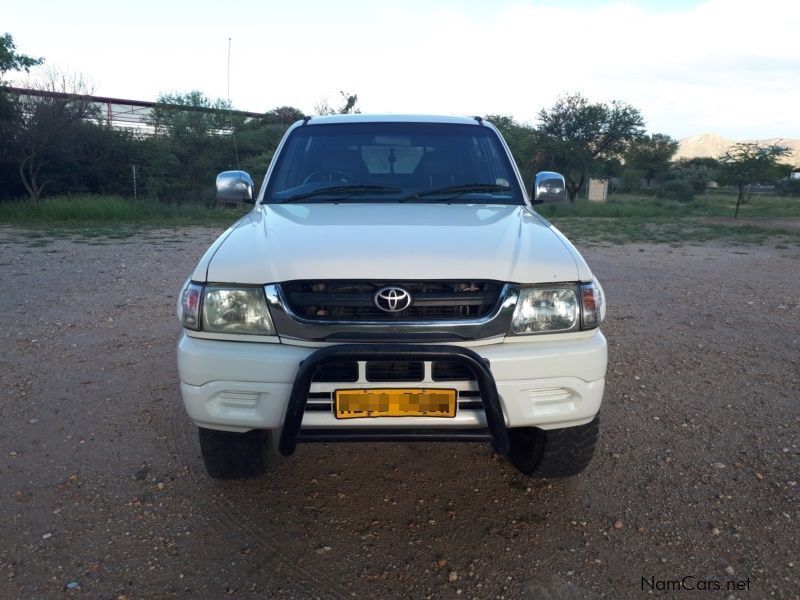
[393, 162]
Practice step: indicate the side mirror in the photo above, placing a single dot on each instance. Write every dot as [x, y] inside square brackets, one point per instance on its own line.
[548, 187]
[234, 187]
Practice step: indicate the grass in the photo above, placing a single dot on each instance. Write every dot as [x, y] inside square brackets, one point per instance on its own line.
[93, 211]
[632, 206]
[671, 231]
[647, 219]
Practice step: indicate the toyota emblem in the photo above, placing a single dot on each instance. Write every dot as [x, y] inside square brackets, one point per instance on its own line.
[392, 299]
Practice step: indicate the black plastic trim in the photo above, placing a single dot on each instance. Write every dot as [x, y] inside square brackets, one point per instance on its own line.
[475, 405]
[291, 433]
[395, 434]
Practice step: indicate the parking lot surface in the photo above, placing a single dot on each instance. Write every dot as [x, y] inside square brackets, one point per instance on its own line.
[104, 494]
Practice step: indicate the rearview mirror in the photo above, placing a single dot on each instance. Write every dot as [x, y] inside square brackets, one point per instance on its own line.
[234, 187]
[548, 187]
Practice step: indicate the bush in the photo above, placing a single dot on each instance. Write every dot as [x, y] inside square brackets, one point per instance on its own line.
[676, 189]
[788, 187]
[630, 180]
[698, 176]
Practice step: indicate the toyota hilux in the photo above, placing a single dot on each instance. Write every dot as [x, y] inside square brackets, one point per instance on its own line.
[392, 282]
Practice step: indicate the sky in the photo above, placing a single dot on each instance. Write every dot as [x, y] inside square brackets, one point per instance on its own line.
[730, 67]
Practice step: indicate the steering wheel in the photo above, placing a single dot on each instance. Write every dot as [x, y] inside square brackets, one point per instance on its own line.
[329, 176]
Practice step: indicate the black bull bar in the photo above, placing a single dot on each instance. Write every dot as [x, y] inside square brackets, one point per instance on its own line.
[291, 433]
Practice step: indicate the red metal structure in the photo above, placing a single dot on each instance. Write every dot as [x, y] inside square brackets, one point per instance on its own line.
[124, 113]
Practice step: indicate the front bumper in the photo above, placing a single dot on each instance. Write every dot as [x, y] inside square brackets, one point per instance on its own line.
[493, 413]
[239, 386]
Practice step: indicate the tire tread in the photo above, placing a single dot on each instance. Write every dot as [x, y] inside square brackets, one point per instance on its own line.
[555, 452]
[230, 455]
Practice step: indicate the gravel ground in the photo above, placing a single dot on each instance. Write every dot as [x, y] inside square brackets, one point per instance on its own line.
[104, 493]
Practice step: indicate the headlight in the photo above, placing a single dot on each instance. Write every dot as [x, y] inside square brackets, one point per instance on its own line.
[224, 309]
[236, 310]
[558, 309]
[546, 310]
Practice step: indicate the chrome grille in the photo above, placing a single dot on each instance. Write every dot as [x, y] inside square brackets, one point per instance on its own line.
[353, 301]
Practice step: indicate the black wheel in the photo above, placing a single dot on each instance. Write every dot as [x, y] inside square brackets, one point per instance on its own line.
[553, 452]
[230, 455]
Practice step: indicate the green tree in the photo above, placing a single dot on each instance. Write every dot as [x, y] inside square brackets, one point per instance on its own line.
[193, 136]
[348, 106]
[104, 159]
[675, 189]
[651, 154]
[41, 130]
[630, 180]
[283, 115]
[521, 141]
[788, 187]
[190, 115]
[259, 138]
[198, 137]
[581, 139]
[747, 163]
[698, 161]
[697, 176]
[11, 60]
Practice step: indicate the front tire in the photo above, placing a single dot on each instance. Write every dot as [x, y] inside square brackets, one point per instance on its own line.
[553, 452]
[231, 455]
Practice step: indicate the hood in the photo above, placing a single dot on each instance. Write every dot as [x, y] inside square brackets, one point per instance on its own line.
[277, 243]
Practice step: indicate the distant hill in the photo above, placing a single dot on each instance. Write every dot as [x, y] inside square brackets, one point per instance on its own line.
[711, 144]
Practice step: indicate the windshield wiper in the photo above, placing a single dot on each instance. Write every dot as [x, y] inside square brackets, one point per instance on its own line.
[455, 191]
[348, 190]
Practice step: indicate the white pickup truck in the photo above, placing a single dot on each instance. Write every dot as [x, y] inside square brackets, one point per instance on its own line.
[392, 283]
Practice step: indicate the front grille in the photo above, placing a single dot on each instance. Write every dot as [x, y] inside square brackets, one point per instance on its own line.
[394, 370]
[337, 300]
[451, 371]
[337, 374]
[346, 371]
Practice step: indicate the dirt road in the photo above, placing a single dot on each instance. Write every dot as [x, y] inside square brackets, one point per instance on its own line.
[104, 494]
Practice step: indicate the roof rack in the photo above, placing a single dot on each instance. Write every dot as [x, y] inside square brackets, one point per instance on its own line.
[306, 119]
[478, 119]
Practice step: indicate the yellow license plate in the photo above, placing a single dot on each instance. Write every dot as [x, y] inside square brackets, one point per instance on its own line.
[395, 402]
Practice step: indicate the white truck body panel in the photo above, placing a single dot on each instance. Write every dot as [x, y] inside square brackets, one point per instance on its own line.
[403, 241]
